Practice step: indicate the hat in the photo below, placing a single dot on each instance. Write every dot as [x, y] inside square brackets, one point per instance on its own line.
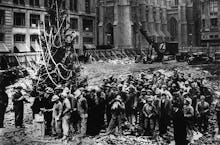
[120, 86]
[143, 90]
[77, 93]
[186, 83]
[67, 90]
[108, 85]
[189, 100]
[19, 87]
[202, 97]
[55, 98]
[164, 86]
[149, 91]
[59, 87]
[163, 94]
[150, 98]
[81, 89]
[49, 90]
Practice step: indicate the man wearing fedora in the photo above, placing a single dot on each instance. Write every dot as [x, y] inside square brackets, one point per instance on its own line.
[149, 112]
[57, 112]
[48, 110]
[117, 109]
[82, 107]
[39, 102]
[18, 102]
[66, 114]
[164, 112]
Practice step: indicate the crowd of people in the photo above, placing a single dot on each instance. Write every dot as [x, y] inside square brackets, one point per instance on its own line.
[140, 105]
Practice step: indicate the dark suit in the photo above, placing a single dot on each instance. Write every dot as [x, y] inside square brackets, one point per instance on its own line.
[3, 106]
[18, 108]
[164, 110]
[179, 126]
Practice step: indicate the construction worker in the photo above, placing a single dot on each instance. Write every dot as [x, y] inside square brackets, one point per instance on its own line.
[57, 112]
[18, 101]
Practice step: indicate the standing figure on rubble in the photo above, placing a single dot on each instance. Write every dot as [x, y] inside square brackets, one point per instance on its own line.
[56, 121]
[179, 125]
[82, 107]
[203, 112]
[131, 106]
[188, 115]
[66, 114]
[18, 100]
[164, 110]
[3, 105]
[48, 110]
[117, 110]
[39, 102]
[149, 111]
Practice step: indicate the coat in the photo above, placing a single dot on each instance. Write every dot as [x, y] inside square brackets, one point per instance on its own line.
[179, 126]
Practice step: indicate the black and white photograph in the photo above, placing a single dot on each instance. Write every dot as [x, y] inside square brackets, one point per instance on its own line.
[109, 72]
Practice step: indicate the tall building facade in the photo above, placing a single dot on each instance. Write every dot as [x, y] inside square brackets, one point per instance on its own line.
[184, 22]
[120, 22]
[19, 20]
[210, 22]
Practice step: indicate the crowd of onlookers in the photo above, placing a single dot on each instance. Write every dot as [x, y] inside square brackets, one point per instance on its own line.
[141, 105]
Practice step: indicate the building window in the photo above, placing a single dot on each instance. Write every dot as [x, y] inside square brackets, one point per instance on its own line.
[211, 36]
[216, 36]
[2, 17]
[203, 7]
[64, 4]
[214, 22]
[173, 29]
[74, 23]
[87, 25]
[87, 6]
[19, 19]
[213, 7]
[87, 40]
[176, 2]
[18, 2]
[34, 3]
[34, 20]
[74, 5]
[19, 38]
[47, 21]
[34, 38]
[203, 23]
[2, 37]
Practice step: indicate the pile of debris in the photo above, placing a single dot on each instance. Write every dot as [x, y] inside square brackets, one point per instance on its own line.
[129, 140]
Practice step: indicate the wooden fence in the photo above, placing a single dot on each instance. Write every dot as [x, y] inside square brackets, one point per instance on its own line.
[24, 59]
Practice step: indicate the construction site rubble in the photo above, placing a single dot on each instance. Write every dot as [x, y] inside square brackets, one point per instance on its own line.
[95, 75]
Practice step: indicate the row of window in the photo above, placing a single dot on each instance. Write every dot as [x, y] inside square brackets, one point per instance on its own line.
[210, 37]
[73, 4]
[213, 7]
[19, 20]
[213, 22]
[20, 38]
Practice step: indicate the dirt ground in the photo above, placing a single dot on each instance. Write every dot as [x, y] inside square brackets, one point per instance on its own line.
[96, 72]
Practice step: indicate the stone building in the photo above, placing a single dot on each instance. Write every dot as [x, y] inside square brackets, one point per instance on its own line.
[210, 22]
[183, 22]
[19, 20]
[120, 22]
